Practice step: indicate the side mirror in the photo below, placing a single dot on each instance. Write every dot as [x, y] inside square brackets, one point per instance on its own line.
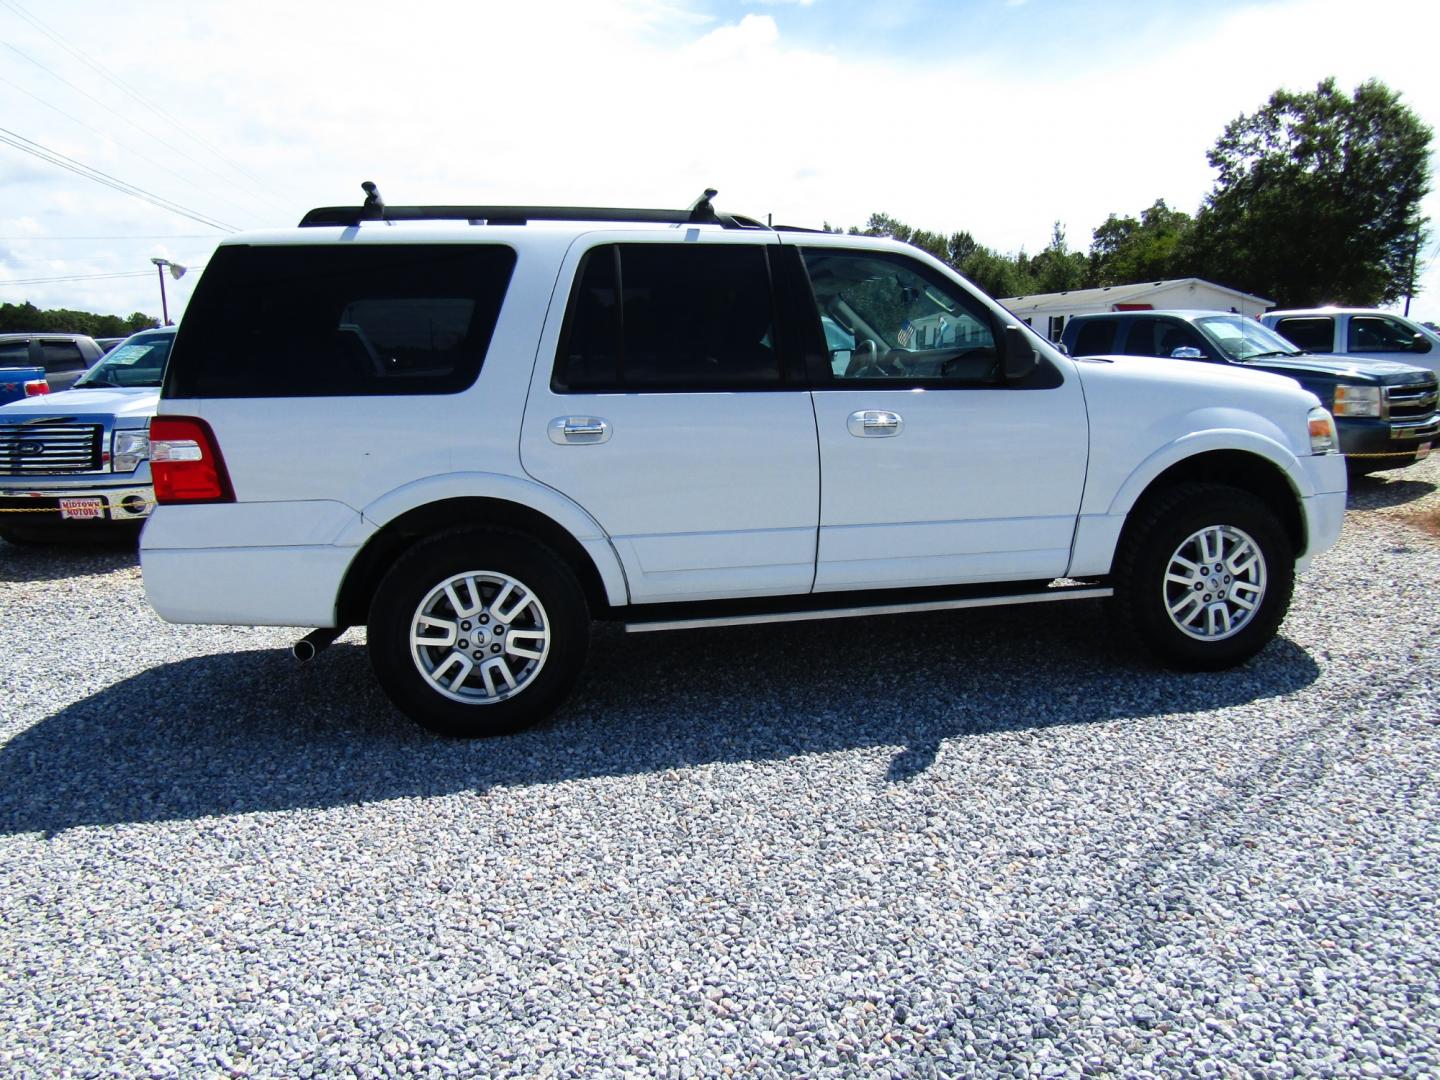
[1422, 343]
[1020, 356]
[1186, 352]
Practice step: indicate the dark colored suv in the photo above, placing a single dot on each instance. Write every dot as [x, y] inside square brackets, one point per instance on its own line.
[1384, 411]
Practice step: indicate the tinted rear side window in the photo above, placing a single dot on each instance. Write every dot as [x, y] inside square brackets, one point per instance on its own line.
[1095, 338]
[15, 352]
[670, 317]
[342, 319]
[1312, 335]
[63, 356]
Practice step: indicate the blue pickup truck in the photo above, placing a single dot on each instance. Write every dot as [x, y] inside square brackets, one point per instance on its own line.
[18, 383]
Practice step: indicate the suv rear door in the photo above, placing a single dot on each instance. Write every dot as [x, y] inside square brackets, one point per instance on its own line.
[668, 402]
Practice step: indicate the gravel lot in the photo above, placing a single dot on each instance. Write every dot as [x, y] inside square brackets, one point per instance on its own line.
[979, 843]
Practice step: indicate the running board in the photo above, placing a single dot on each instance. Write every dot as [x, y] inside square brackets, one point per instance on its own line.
[1040, 596]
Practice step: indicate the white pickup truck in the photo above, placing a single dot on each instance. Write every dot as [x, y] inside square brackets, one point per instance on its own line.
[474, 428]
[1361, 332]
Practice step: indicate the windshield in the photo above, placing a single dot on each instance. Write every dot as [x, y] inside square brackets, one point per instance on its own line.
[139, 361]
[1244, 339]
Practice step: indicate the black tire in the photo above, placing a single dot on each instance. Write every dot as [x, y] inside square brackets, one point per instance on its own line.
[1144, 596]
[551, 618]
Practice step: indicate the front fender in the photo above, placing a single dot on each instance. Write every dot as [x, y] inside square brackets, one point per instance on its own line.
[1196, 443]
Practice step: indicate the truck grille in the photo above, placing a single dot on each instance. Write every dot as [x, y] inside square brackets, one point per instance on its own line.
[1411, 402]
[37, 449]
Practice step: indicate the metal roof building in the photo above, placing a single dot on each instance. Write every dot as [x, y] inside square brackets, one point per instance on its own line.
[1049, 312]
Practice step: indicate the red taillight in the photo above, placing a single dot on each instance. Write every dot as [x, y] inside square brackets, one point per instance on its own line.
[36, 387]
[185, 462]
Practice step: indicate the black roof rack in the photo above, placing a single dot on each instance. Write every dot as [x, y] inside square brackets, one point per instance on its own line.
[702, 212]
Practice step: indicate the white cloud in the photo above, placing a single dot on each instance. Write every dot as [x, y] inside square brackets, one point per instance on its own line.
[637, 102]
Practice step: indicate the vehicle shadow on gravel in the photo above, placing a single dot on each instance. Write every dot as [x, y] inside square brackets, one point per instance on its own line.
[253, 731]
[1378, 492]
[55, 562]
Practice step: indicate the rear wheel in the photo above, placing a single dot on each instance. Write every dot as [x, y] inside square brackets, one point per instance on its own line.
[476, 633]
[1203, 577]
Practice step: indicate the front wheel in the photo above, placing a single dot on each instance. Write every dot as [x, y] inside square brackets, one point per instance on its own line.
[1203, 577]
[476, 633]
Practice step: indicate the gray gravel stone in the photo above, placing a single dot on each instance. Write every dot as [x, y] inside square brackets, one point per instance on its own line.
[937, 846]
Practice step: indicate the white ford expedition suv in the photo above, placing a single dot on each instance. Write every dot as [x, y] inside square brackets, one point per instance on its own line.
[474, 429]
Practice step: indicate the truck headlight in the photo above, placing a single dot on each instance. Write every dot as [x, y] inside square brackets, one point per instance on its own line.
[131, 448]
[1358, 401]
[1322, 433]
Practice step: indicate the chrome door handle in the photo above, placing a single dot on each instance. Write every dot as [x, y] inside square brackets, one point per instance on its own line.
[565, 430]
[875, 424]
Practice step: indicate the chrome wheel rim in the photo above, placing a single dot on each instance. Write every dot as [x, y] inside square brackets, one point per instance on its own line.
[1214, 583]
[479, 637]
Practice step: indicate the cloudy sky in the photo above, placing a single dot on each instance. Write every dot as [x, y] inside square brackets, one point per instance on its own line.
[999, 117]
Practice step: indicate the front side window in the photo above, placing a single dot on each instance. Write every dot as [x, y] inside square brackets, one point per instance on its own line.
[889, 317]
[1310, 334]
[1375, 333]
[669, 317]
[14, 352]
[340, 319]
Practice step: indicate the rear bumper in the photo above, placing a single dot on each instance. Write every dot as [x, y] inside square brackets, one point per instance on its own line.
[269, 586]
[271, 564]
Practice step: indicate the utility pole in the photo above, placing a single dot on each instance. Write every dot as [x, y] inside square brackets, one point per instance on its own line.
[1414, 259]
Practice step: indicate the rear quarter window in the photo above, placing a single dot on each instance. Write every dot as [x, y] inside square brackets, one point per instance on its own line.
[1095, 338]
[339, 320]
[1310, 334]
[63, 356]
[15, 353]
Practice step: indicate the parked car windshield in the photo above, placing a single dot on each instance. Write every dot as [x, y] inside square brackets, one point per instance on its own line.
[139, 361]
[1244, 339]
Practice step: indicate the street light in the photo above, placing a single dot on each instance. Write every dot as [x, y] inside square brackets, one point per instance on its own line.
[176, 271]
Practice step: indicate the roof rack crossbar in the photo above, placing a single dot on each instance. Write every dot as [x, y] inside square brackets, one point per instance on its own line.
[374, 209]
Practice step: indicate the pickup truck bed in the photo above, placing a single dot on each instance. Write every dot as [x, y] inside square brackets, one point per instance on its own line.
[14, 380]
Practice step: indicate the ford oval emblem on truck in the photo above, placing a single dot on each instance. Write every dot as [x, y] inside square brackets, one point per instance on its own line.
[30, 449]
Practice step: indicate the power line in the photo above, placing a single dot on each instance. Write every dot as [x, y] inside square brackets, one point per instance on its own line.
[105, 72]
[54, 157]
[73, 277]
[96, 131]
[136, 236]
[121, 116]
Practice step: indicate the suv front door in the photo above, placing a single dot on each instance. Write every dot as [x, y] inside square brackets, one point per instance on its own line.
[934, 470]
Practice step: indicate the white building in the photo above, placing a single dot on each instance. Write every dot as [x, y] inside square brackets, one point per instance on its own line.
[1049, 312]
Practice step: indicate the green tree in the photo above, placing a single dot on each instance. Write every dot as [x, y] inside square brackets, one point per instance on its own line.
[1057, 268]
[1317, 199]
[1124, 250]
[997, 274]
[19, 318]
